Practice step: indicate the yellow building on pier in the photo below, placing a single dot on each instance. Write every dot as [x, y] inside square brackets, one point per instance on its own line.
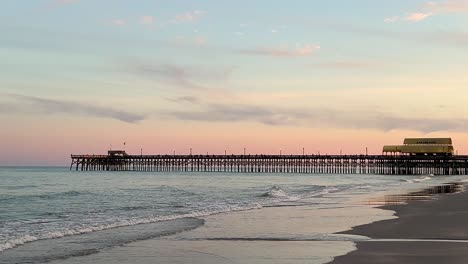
[422, 146]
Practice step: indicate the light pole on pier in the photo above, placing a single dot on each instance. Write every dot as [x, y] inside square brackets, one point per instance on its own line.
[303, 151]
[190, 151]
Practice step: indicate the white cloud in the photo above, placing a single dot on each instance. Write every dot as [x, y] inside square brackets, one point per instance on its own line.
[391, 19]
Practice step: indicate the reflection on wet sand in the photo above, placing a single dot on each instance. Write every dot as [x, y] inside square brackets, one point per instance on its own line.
[422, 195]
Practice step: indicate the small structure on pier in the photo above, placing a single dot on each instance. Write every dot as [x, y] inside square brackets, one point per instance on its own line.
[117, 153]
[422, 146]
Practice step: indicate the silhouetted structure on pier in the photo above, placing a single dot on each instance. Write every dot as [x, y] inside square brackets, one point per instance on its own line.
[323, 164]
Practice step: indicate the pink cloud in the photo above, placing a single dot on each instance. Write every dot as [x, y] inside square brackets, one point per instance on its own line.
[417, 17]
[303, 51]
[433, 8]
[146, 20]
[200, 41]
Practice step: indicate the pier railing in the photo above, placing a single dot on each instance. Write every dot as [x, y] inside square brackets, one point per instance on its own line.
[312, 164]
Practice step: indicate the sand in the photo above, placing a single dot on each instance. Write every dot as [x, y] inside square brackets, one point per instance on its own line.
[440, 226]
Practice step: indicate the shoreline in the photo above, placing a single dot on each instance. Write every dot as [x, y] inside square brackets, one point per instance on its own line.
[439, 225]
[283, 234]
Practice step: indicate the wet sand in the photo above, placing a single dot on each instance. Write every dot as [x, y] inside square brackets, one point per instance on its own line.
[286, 235]
[440, 225]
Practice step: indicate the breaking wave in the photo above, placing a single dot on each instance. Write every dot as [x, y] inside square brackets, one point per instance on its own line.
[12, 243]
[422, 179]
[276, 192]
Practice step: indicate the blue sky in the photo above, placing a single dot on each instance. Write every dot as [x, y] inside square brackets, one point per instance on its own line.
[382, 69]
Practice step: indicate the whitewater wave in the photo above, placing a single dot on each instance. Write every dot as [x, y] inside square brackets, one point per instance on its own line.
[276, 192]
[422, 179]
[12, 243]
[280, 195]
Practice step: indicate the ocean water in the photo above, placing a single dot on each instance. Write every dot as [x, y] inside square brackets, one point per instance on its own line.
[82, 213]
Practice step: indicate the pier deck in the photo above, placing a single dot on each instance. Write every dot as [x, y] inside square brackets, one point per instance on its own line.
[312, 164]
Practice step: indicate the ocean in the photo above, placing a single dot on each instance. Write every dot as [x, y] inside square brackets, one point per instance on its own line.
[51, 214]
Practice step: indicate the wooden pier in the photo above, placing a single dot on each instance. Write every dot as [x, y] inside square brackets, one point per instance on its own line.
[311, 164]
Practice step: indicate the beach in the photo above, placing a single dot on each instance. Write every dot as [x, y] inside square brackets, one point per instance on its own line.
[426, 231]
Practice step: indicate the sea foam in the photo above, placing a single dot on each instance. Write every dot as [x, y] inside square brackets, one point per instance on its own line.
[12, 243]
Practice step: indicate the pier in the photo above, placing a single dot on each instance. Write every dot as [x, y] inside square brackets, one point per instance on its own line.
[306, 164]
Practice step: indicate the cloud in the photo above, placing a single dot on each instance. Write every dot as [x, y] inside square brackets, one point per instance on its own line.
[433, 8]
[185, 99]
[413, 17]
[303, 51]
[188, 17]
[391, 19]
[182, 76]
[417, 17]
[236, 112]
[200, 41]
[32, 104]
[315, 117]
[146, 20]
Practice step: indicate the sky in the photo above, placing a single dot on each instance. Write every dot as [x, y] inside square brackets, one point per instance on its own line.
[165, 76]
